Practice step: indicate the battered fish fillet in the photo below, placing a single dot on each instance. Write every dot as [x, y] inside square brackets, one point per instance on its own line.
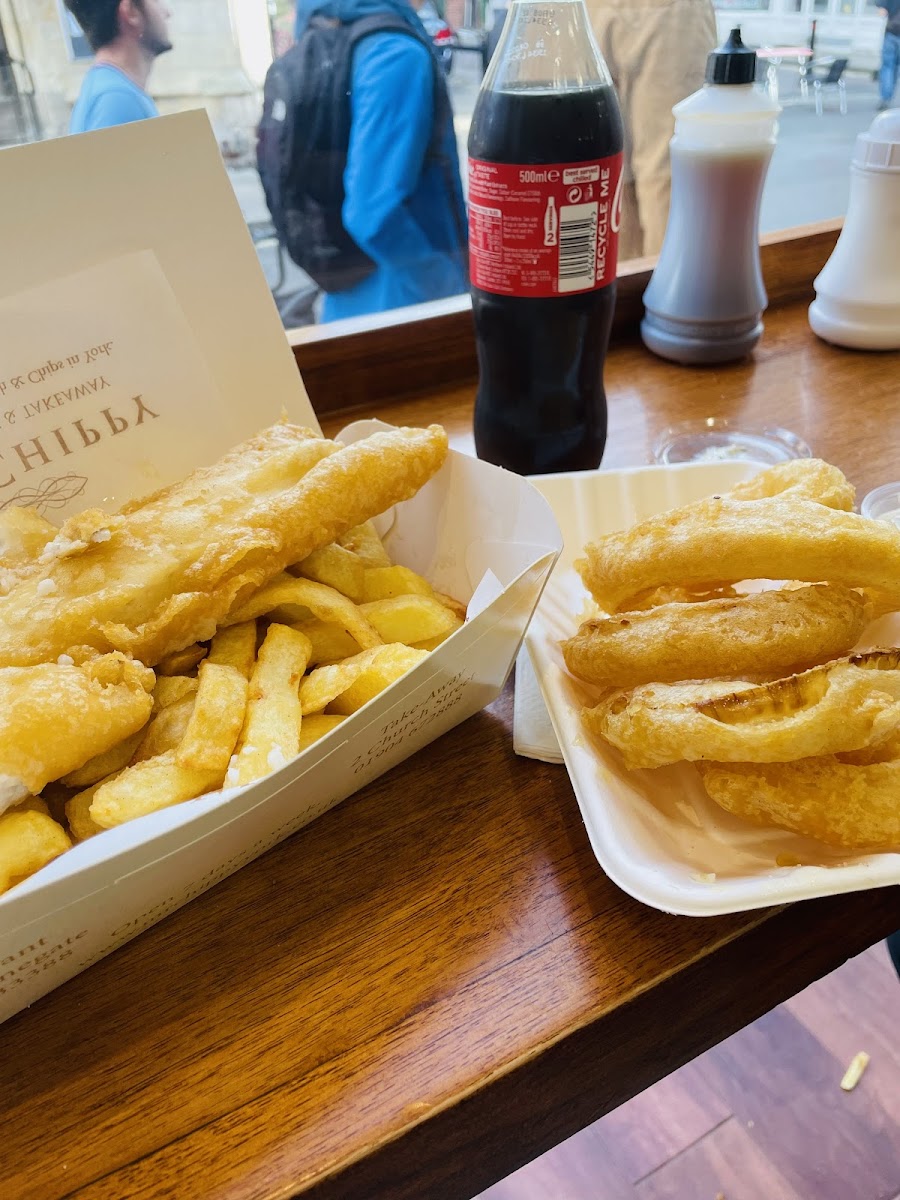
[163, 572]
[853, 807]
[767, 634]
[840, 706]
[723, 540]
[23, 535]
[53, 718]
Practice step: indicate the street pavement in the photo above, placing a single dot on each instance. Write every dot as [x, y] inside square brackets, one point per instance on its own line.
[808, 180]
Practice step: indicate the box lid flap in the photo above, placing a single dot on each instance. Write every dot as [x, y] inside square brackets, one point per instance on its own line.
[150, 196]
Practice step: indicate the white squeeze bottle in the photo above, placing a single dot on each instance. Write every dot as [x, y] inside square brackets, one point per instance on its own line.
[857, 300]
[705, 300]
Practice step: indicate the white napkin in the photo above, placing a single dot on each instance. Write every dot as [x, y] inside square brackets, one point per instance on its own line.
[533, 735]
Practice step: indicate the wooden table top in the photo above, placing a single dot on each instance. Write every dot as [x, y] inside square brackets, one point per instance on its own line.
[435, 981]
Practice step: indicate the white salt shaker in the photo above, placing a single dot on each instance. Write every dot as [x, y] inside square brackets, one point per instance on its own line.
[857, 300]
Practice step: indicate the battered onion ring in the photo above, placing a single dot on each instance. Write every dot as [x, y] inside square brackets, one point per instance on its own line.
[767, 634]
[673, 594]
[840, 706]
[854, 807]
[723, 540]
[800, 479]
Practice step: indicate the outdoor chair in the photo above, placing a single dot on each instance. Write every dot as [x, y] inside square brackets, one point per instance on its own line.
[831, 76]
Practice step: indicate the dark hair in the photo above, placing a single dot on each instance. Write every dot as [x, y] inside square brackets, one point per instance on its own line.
[98, 18]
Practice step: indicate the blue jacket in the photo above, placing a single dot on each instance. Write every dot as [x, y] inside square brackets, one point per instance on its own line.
[408, 214]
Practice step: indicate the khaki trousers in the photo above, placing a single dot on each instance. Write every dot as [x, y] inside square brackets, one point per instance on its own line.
[656, 52]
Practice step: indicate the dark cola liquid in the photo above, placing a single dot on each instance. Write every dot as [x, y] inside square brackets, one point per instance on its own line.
[541, 405]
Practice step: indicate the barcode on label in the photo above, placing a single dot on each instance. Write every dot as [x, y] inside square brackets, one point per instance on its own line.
[577, 247]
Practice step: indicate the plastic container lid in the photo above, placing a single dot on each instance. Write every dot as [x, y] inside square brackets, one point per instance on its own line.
[882, 504]
[878, 149]
[732, 62]
[716, 439]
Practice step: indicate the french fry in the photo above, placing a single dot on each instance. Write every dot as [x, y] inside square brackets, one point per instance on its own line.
[338, 568]
[364, 541]
[385, 669]
[181, 661]
[28, 841]
[323, 602]
[235, 646]
[383, 583]
[432, 643]
[854, 1072]
[101, 765]
[314, 727]
[216, 719]
[165, 730]
[325, 684]
[146, 787]
[78, 813]
[410, 619]
[455, 607]
[32, 804]
[270, 736]
[329, 641]
[170, 689]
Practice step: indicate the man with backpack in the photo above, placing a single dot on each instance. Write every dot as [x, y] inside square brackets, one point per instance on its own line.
[358, 158]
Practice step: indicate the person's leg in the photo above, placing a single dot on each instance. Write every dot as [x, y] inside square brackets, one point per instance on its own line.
[890, 62]
[607, 22]
[893, 945]
[667, 45]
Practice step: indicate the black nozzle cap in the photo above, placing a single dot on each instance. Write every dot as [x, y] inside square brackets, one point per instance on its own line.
[732, 63]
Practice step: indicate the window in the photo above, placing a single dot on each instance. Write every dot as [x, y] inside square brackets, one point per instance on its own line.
[76, 42]
[222, 50]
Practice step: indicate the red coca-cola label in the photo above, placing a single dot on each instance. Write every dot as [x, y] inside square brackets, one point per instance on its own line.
[547, 230]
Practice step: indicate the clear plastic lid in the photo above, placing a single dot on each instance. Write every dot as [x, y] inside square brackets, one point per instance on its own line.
[716, 439]
[882, 504]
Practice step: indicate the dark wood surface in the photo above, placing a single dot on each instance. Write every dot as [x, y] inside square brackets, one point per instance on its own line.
[375, 361]
[434, 982]
[760, 1117]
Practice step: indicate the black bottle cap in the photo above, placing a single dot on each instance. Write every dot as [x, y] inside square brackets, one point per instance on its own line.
[732, 63]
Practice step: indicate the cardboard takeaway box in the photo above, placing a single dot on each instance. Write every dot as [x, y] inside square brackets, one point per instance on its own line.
[138, 339]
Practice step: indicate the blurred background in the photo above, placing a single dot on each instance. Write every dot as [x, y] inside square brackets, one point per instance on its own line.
[223, 49]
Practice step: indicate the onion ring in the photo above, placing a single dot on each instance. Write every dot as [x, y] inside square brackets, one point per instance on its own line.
[769, 633]
[723, 540]
[842, 804]
[840, 706]
[800, 479]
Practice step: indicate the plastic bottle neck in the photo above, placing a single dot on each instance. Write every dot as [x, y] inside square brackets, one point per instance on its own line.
[547, 44]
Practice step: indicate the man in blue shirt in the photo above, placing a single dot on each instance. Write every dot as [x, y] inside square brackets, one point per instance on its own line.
[127, 36]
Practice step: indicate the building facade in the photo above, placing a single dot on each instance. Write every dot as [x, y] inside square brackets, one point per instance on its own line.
[843, 28]
[221, 51]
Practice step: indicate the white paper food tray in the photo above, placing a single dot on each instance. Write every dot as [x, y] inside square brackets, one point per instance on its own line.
[213, 365]
[656, 833]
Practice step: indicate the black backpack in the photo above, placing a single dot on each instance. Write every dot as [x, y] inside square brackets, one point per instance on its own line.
[302, 144]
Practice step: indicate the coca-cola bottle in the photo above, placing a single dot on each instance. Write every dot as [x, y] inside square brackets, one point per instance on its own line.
[545, 169]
